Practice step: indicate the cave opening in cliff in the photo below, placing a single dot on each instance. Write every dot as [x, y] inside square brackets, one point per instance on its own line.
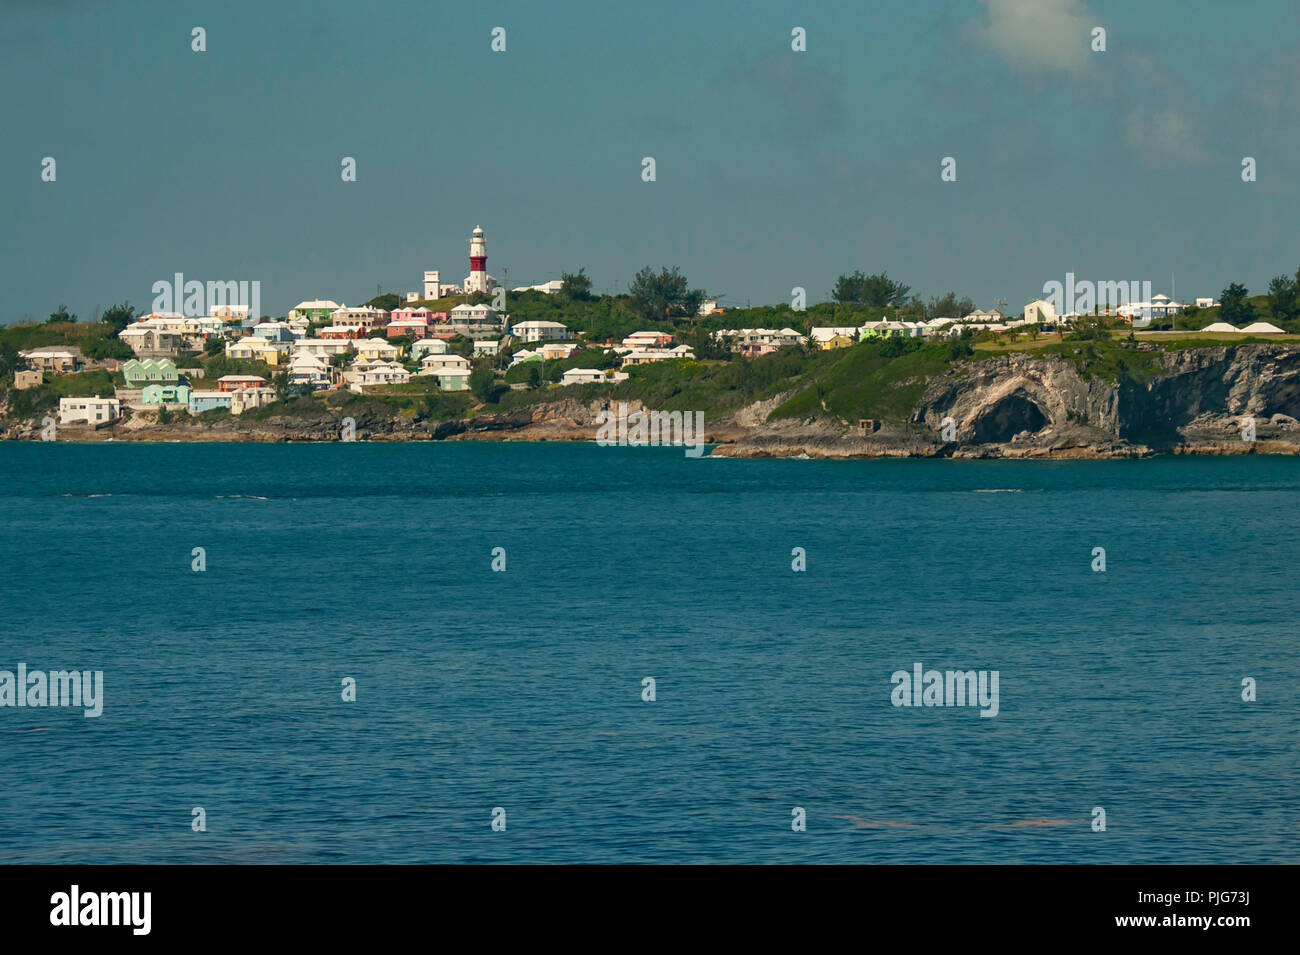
[1008, 418]
[1285, 400]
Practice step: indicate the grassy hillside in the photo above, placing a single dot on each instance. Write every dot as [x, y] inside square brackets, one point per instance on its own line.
[866, 382]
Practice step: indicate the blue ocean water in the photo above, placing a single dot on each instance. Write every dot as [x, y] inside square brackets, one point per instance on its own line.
[522, 689]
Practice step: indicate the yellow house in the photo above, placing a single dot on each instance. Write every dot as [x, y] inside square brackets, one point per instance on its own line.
[839, 341]
[255, 349]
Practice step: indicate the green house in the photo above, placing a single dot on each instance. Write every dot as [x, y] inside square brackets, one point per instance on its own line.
[174, 394]
[149, 372]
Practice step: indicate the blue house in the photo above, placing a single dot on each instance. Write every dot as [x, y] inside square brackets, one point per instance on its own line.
[201, 401]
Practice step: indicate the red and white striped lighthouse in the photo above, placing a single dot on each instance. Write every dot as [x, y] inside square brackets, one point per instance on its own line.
[478, 280]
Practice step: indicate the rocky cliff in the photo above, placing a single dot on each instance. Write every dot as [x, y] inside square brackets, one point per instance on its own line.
[1190, 401]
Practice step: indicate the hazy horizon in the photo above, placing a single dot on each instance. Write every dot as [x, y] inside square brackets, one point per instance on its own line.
[774, 168]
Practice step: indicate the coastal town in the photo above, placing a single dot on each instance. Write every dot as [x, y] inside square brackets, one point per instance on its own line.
[542, 361]
[323, 345]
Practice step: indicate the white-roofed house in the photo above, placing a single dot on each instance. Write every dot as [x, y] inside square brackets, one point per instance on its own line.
[546, 288]
[885, 329]
[201, 401]
[313, 311]
[454, 379]
[414, 322]
[235, 382]
[151, 336]
[381, 373]
[1160, 306]
[88, 410]
[232, 314]
[555, 352]
[645, 356]
[535, 331]
[437, 364]
[753, 342]
[362, 316]
[322, 347]
[60, 361]
[308, 368]
[377, 348]
[428, 346]
[833, 335]
[582, 376]
[247, 399]
[1040, 312]
[525, 354]
[277, 331]
[252, 348]
[467, 319]
[648, 339]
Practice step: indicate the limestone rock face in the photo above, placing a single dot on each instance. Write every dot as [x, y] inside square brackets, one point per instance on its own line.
[1017, 406]
[992, 402]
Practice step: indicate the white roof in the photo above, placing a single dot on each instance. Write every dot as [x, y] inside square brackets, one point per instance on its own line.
[824, 333]
[1263, 328]
[318, 303]
[1219, 327]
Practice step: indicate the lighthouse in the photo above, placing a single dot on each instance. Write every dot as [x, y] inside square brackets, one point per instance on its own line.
[478, 280]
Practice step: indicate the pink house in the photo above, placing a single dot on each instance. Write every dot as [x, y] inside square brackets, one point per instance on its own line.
[410, 321]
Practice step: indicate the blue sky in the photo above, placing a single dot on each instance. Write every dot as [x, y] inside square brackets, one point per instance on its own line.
[775, 169]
